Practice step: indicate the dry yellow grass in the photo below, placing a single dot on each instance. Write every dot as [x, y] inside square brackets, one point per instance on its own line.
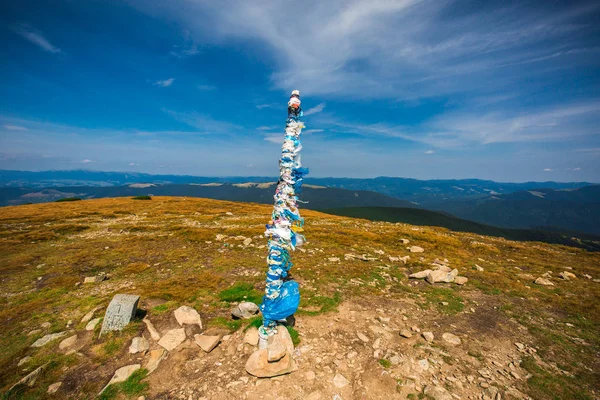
[166, 249]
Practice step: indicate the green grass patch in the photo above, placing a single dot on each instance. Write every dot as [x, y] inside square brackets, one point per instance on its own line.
[231, 324]
[163, 308]
[439, 295]
[545, 385]
[294, 335]
[241, 291]
[255, 322]
[141, 198]
[133, 386]
[385, 363]
[316, 305]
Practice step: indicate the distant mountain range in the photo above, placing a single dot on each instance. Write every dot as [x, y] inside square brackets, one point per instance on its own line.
[550, 206]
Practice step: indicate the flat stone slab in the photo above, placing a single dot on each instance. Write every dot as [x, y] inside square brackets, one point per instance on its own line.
[138, 345]
[186, 315]
[47, 339]
[452, 339]
[259, 366]
[207, 343]
[122, 374]
[156, 356]
[172, 339]
[120, 312]
[92, 324]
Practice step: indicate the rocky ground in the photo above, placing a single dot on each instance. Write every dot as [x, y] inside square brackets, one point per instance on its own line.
[388, 310]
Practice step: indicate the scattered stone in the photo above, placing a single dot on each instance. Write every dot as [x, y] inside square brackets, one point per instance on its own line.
[520, 346]
[54, 387]
[23, 360]
[122, 374]
[251, 336]
[441, 276]
[310, 375]
[339, 381]
[187, 316]
[259, 366]
[245, 310]
[543, 282]
[207, 343]
[138, 345]
[566, 275]
[68, 342]
[46, 325]
[30, 379]
[405, 333]
[220, 237]
[156, 356]
[47, 339]
[587, 276]
[92, 324]
[404, 241]
[452, 339]
[437, 393]
[87, 317]
[95, 279]
[424, 364]
[172, 339]
[362, 337]
[415, 328]
[428, 336]
[279, 345]
[461, 280]
[416, 249]
[333, 259]
[478, 268]
[120, 312]
[152, 330]
[420, 275]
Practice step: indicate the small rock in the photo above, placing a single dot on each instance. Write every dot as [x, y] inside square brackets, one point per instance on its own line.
[437, 393]
[543, 282]
[95, 279]
[259, 366]
[420, 275]
[122, 374]
[424, 364]
[188, 316]
[30, 379]
[220, 237]
[156, 356]
[404, 241]
[441, 275]
[587, 276]
[92, 324]
[23, 360]
[280, 344]
[152, 330]
[405, 333]
[362, 337]
[172, 339]
[310, 375]
[54, 387]
[245, 310]
[207, 343]
[527, 277]
[46, 325]
[68, 342]
[333, 259]
[47, 339]
[566, 275]
[415, 329]
[460, 280]
[416, 249]
[247, 242]
[87, 317]
[251, 336]
[520, 346]
[339, 381]
[138, 345]
[478, 268]
[452, 339]
[428, 336]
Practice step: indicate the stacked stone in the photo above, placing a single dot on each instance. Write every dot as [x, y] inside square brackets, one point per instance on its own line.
[282, 295]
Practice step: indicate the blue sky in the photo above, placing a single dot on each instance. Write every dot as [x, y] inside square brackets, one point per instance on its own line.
[508, 91]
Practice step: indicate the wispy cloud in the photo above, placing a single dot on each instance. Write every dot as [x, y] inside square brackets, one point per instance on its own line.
[548, 170]
[402, 49]
[266, 128]
[316, 109]
[36, 37]
[429, 152]
[271, 105]
[165, 83]
[86, 161]
[206, 88]
[186, 49]
[309, 131]
[14, 127]
[277, 139]
[574, 169]
[204, 124]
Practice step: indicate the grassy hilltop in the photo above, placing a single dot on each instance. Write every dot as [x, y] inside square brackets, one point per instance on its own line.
[166, 251]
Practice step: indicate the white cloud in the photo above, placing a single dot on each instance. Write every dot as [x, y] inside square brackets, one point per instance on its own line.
[14, 128]
[266, 128]
[133, 164]
[204, 123]
[86, 161]
[429, 152]
[165, 83]
[309, 131]
[187, 49]
[316, 109]
[36, 37]
[548, 170]
[385, 48]
[277, 139]
[574, 169]
[261, 106]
